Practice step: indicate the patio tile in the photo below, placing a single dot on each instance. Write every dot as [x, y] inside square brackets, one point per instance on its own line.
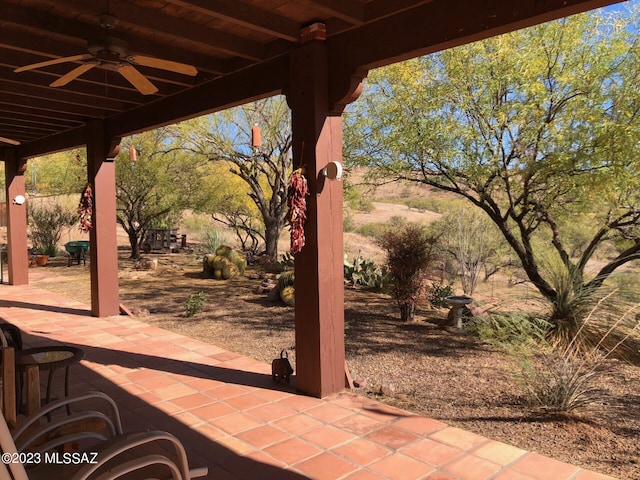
[362, 475]
[326, 466]
[212, 411]
[263, 436]
[420, 425]
[361, 451]
[358, 424]
[458, 438]
[292, 451]
[499, 452]
[192, 401]
[328, 412]
[401, 467]
[470, 467]
[297, 424]
[327, 436]
[544, 468]
[236, 423]
[392, 437]
[246, 401]
[272, 412]
[176, 390]
[432, 452]
[510, 474]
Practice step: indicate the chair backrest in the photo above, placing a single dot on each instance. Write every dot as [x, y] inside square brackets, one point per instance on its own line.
[7, 380]
[11, 469]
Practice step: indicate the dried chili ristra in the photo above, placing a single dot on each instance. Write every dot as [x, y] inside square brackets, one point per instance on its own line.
[85, 209]
[297, 209]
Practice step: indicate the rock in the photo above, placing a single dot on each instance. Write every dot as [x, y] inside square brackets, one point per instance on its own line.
[274, 294]
[386, 389]
[146, 264]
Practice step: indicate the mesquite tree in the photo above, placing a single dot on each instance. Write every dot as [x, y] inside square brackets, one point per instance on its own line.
[537, 128]
[266, 169]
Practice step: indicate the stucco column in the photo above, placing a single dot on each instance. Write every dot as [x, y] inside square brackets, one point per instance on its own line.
[103, 239]
[17, 256]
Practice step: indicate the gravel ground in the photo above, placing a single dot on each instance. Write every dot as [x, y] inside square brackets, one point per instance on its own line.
[418, 366]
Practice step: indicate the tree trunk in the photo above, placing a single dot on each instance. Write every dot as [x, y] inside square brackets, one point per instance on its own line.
[133, 242]
[407, 312]
[271, 235]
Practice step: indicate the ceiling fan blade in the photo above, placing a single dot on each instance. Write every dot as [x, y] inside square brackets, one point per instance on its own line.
[164, 65]
[73, 74]
[55, 61]
[9, 141]
[135, 78]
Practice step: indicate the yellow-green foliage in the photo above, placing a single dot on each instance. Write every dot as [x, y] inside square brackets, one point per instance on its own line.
[288, 296]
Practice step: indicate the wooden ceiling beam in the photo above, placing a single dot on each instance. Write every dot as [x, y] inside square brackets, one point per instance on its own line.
[72, 37]
[225, 92]
[48, 105]
[248, 16]
[348, 10]
[58, 142]
[24, 119]
[435, 26]
[12, 109]
[130, 14]
[60, 95]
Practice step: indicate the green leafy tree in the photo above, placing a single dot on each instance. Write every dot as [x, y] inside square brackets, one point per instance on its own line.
[57, 174]
[154, 190]
[226, 137]
[536, 128]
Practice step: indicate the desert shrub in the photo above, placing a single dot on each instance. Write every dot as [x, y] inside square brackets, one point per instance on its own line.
[408, 250]
[510, 332]
[560, 383]
[437, 292]
[437, 205]
[213, 238]
[348, 223]
[588, 317]
[194, 304]
[566, 378]
[46, 225]
[374, 230]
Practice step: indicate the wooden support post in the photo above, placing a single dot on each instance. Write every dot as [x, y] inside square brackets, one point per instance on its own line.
[319, 284]
[103, 251]
[17, 256]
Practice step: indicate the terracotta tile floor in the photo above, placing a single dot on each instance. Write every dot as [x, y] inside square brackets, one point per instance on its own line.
[232, 418]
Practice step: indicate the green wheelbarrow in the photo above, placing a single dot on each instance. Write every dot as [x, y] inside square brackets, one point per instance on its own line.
[77, 251]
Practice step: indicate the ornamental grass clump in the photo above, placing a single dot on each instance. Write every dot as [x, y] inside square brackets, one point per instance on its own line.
[408, 250]
[560, 379]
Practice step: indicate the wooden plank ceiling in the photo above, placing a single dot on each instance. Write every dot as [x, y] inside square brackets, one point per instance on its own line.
[239, 48]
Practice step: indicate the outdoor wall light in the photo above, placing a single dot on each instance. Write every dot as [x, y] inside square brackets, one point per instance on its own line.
[18, 200]
[333, 171]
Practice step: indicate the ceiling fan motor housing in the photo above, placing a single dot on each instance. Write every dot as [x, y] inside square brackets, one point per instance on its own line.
[109, 49]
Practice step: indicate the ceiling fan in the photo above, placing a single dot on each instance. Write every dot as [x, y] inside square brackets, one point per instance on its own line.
[112, 53]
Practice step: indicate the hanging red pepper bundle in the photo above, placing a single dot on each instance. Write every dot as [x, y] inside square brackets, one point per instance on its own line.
[297, 213]
[85, 209]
